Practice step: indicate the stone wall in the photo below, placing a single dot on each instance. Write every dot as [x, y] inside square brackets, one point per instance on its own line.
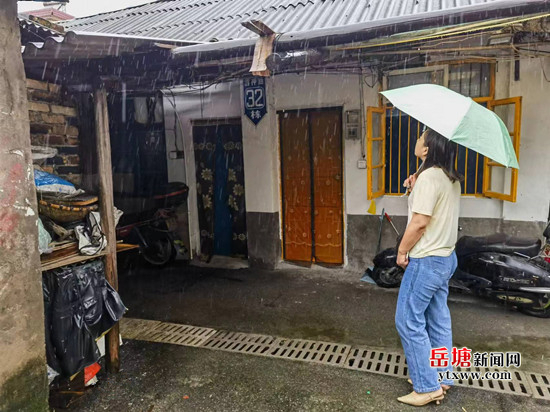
[54, 123]
[23, 379]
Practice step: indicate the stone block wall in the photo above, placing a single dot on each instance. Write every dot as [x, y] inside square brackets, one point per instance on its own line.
[54, 123]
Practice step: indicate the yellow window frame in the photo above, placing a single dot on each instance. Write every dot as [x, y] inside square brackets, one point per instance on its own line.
[489, 165]
[376, 136]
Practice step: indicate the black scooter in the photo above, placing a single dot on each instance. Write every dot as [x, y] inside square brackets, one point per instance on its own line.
[498, 266]
[147, 222]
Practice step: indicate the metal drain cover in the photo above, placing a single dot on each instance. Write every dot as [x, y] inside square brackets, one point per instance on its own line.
[326, 353]
[367, 360]
[517, 386]
[540, 385]
[251, 344]
[163, 332]
[178, 334]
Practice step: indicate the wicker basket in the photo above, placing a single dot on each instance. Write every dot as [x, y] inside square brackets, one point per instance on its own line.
[62, 213]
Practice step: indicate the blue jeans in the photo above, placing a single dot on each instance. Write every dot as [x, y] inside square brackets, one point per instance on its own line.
[423, 319]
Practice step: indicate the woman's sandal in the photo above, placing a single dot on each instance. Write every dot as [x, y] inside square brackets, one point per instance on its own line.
[421, 399]
[444, 387]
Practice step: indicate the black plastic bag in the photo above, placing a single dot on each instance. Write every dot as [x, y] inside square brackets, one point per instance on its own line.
[80, 306]
[72, 340]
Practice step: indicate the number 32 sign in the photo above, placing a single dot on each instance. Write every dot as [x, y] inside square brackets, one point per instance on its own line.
[255, 106]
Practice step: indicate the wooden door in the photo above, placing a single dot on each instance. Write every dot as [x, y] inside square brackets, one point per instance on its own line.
[326, 139]
[296, 175]
[311, 163]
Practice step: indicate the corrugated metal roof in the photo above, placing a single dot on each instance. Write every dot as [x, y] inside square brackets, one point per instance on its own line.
[204, 20]
[36, 28]
[85, 45]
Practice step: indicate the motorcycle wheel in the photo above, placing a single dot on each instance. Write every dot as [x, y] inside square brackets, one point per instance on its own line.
[387, 277]
[160, 252]
[540, 309]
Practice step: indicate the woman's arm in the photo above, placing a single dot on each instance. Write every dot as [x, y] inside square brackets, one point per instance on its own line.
[413, 233]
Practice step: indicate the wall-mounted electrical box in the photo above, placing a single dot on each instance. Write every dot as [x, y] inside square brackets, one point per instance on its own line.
[353, 125]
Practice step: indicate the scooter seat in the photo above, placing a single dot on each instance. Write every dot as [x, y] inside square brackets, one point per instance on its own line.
[498, 242]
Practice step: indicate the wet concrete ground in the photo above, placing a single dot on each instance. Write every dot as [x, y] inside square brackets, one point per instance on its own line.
[318, 304]
[162, 377]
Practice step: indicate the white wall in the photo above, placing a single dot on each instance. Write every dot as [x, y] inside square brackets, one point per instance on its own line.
[261, 142]
[533, 196]
[292, 91]
[260, 151]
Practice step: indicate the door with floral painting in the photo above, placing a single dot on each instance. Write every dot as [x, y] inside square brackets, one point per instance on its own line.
[220, 190]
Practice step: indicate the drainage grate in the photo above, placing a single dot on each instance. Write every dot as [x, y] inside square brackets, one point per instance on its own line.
[367, 360]
[248, 343]
[178, 334]
[540, 385]
[132, 328]
[335, 354]
[326, 353]
[394, 364]
[155, 331]
[518, 385]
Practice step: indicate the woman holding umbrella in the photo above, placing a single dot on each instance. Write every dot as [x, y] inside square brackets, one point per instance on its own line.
[426, 251]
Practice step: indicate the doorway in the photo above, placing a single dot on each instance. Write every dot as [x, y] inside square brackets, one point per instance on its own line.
[312, 185]
[220, 189]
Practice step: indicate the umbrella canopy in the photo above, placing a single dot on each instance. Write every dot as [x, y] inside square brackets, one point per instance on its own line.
[458, 118]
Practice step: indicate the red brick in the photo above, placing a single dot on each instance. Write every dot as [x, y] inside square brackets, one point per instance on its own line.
[38, 139]
[42, 96]
[54, 88]
[71, 160]
[35, 117]
[40, 128]
[66, 130]
[56, 139]
[53, 118]
[39, 107]
[64, 110]
[35, 84]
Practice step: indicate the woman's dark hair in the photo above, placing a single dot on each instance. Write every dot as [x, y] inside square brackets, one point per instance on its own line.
[442, 153]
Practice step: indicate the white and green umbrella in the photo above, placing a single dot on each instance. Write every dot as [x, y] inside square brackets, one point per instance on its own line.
[458, 118]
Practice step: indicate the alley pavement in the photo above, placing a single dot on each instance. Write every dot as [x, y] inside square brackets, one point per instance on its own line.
[317, 304]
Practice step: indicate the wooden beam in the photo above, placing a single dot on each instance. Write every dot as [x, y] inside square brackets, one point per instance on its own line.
[106, 207]
[258, 27]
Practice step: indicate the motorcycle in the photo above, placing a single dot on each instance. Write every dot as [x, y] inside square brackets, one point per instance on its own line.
[502, 267]
[149, 223]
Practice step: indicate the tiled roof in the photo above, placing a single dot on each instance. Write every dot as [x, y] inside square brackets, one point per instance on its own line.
[196, 20]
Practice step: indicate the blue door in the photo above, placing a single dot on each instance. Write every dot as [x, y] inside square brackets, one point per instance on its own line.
[220, 189]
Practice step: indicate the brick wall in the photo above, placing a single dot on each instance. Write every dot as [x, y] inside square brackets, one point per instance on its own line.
[54, 123]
